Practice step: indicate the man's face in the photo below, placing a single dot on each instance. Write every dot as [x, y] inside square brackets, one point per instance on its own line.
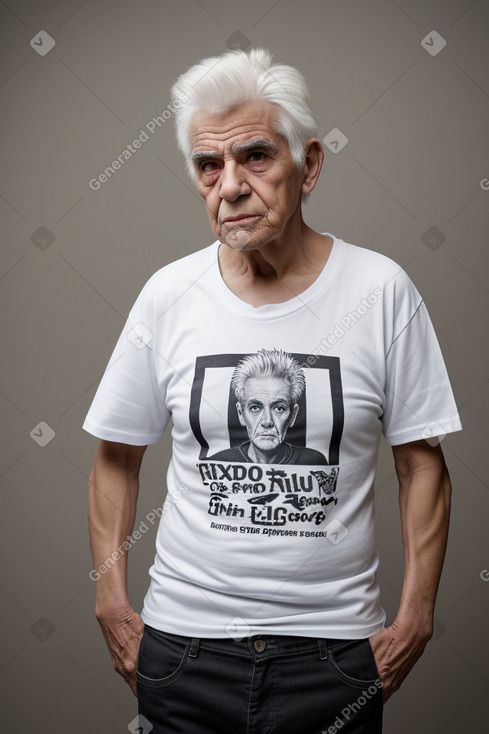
[267, 411]
[245, 174]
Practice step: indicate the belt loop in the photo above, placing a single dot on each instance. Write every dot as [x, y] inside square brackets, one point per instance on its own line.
[323, 650]
[194, 648]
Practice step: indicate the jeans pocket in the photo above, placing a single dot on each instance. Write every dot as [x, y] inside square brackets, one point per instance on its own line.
[353, 662]
[161, 661]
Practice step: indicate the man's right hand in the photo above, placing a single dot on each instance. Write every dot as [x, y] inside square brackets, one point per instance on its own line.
[112, 501]
[123, 629]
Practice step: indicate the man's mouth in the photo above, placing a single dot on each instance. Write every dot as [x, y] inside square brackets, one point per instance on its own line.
[240, 219]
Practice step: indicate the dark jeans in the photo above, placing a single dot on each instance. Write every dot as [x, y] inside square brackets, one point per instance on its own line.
[261, 684]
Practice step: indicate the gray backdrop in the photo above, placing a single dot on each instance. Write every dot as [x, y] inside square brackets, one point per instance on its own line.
[407, 84]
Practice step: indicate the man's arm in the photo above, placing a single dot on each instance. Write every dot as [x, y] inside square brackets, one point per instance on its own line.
[113, 493]
[424, 499]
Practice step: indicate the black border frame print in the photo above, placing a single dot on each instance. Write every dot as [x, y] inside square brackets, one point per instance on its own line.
[297, 433]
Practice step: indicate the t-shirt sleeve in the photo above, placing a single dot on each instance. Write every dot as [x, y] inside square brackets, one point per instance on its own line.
[419, 401]
[128, 406]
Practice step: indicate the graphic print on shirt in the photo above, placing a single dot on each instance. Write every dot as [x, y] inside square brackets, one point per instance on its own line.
[269, 425]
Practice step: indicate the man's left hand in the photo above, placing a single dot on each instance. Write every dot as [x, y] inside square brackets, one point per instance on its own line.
[395, 652]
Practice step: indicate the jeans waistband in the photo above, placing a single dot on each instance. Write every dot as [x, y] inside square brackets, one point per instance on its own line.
[257, 646]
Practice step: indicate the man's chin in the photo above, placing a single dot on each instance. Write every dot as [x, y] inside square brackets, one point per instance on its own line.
[242, 239]
[237, 239]
[265, 445]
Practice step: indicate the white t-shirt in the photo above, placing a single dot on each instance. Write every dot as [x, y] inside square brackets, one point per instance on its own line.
[246, 546]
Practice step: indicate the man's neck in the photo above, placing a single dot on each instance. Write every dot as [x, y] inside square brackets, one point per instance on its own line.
[279, 270]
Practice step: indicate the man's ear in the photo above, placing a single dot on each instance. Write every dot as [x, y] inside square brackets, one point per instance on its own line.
[240, 414]
[295, 410]
[313, 164]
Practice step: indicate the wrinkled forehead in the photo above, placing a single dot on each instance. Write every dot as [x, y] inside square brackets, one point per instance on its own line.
[267, 389]
[249, 121]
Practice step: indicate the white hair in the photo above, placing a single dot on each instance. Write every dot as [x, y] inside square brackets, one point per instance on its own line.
[269, 363]
[218, 84]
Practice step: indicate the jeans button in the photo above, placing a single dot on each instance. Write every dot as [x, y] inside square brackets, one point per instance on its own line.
[260, 645]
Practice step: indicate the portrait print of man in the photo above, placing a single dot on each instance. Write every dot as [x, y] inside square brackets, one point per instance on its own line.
[267, 386]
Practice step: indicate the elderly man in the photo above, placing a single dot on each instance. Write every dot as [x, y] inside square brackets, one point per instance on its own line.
[267, 386]
[273, 625]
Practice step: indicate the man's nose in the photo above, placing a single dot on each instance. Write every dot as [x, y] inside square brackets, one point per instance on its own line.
[266, 418]
[232, 182]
